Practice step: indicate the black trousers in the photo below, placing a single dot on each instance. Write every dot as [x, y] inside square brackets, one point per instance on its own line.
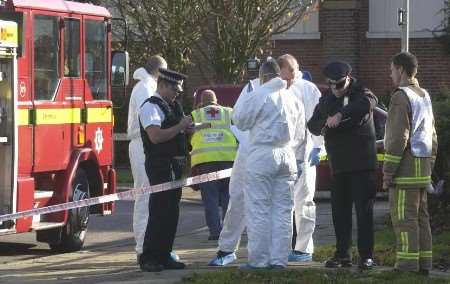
[163, 213]
[353, 188]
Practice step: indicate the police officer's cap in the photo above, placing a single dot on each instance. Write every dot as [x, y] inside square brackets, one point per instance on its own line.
[172, 77]
[337, 70]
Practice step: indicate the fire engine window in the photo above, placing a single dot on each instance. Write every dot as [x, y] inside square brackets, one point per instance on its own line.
[95, 58]
[72, 48]
[46, 51]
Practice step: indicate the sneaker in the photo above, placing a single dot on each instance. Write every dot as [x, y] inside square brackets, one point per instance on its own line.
[335, 262]
[174, 256]
[298, 256]
[223, 258]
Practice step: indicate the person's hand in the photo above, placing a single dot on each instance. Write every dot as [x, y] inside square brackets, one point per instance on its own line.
[333, 121]
[387, 181]
[185, 122]
[314, 158]
[201, 126]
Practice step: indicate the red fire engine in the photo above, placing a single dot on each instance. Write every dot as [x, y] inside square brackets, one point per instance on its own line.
[56, 120]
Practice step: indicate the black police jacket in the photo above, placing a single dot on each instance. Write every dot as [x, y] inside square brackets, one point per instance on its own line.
[176, 146]
[350, 146]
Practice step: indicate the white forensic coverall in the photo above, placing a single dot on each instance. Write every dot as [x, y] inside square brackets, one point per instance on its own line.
[305, 186]
[234, 222]
[141, 91]
[276, 122]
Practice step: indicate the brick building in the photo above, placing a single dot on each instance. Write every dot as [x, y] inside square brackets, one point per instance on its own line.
[365, 33]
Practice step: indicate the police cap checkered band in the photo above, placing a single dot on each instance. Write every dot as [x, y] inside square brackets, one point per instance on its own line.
[172, 77]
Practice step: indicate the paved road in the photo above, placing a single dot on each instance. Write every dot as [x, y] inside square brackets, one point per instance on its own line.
[109, 253]
[108, 231]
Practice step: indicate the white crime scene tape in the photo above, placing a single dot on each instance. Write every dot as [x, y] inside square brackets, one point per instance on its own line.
[125, 195]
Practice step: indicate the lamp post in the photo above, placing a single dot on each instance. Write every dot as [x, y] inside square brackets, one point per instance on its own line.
[403, 21]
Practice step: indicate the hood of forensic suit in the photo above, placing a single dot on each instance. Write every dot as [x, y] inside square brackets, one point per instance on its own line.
[142, 75]
[274, 85]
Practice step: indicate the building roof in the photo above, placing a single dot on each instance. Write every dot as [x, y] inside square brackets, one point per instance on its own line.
[62, 6]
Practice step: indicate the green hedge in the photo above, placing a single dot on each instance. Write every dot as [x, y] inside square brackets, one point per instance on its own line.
[439, 207]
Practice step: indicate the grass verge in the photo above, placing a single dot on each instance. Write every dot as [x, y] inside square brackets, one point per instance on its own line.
[124, 176]
[385, 249]
[310, 276]
[384, 256]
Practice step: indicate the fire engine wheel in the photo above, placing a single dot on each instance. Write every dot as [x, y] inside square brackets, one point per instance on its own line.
[73, 233]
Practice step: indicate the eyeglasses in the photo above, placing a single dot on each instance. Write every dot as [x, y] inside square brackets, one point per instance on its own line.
[338, 84]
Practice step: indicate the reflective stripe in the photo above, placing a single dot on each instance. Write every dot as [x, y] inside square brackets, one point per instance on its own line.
[408, 255]
[392, 158]
[95, 115]
[23, 117]
[218, 126]
[406, 233]
[213, 149]
[380, 157]
[58, 116]
[427, 253]
[401, 204]
[65, 116]
[412, 180]
[404, 241]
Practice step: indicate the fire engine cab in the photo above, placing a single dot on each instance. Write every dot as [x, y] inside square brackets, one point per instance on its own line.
[56, 120]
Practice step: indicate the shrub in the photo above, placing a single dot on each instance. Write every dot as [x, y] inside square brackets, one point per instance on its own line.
[439, 207]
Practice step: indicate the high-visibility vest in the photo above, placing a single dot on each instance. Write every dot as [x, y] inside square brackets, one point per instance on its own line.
[215, 144]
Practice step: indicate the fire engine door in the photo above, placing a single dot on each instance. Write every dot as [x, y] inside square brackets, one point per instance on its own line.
[7, 132]
[8, 128]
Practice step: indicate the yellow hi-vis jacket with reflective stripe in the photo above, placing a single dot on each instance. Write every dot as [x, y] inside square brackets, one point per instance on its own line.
[215, 144]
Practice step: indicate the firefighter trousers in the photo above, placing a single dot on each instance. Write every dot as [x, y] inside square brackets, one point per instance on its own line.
[411, 223]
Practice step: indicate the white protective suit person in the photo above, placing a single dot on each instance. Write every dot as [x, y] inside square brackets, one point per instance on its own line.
[275, 121]
[141, 91]
[307, 157]
[234, 223]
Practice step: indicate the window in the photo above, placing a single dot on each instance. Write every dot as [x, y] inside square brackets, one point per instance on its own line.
[306, 28]
[424, 17]
[46, 57]
[72, 48]
[95, 58]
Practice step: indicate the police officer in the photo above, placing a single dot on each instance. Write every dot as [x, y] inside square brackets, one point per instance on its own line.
[147, 77]
[344, 117]
[213, 149]
[163, 126]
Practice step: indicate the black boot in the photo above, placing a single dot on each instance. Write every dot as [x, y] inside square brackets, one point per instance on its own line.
[335, 262]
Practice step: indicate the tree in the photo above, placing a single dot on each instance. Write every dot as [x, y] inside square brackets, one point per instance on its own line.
[238, 30]
[166, 27]
[225, 33]
[442, 32]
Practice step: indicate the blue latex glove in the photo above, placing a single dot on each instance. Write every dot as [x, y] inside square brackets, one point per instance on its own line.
[314, 158]
[299, 168]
